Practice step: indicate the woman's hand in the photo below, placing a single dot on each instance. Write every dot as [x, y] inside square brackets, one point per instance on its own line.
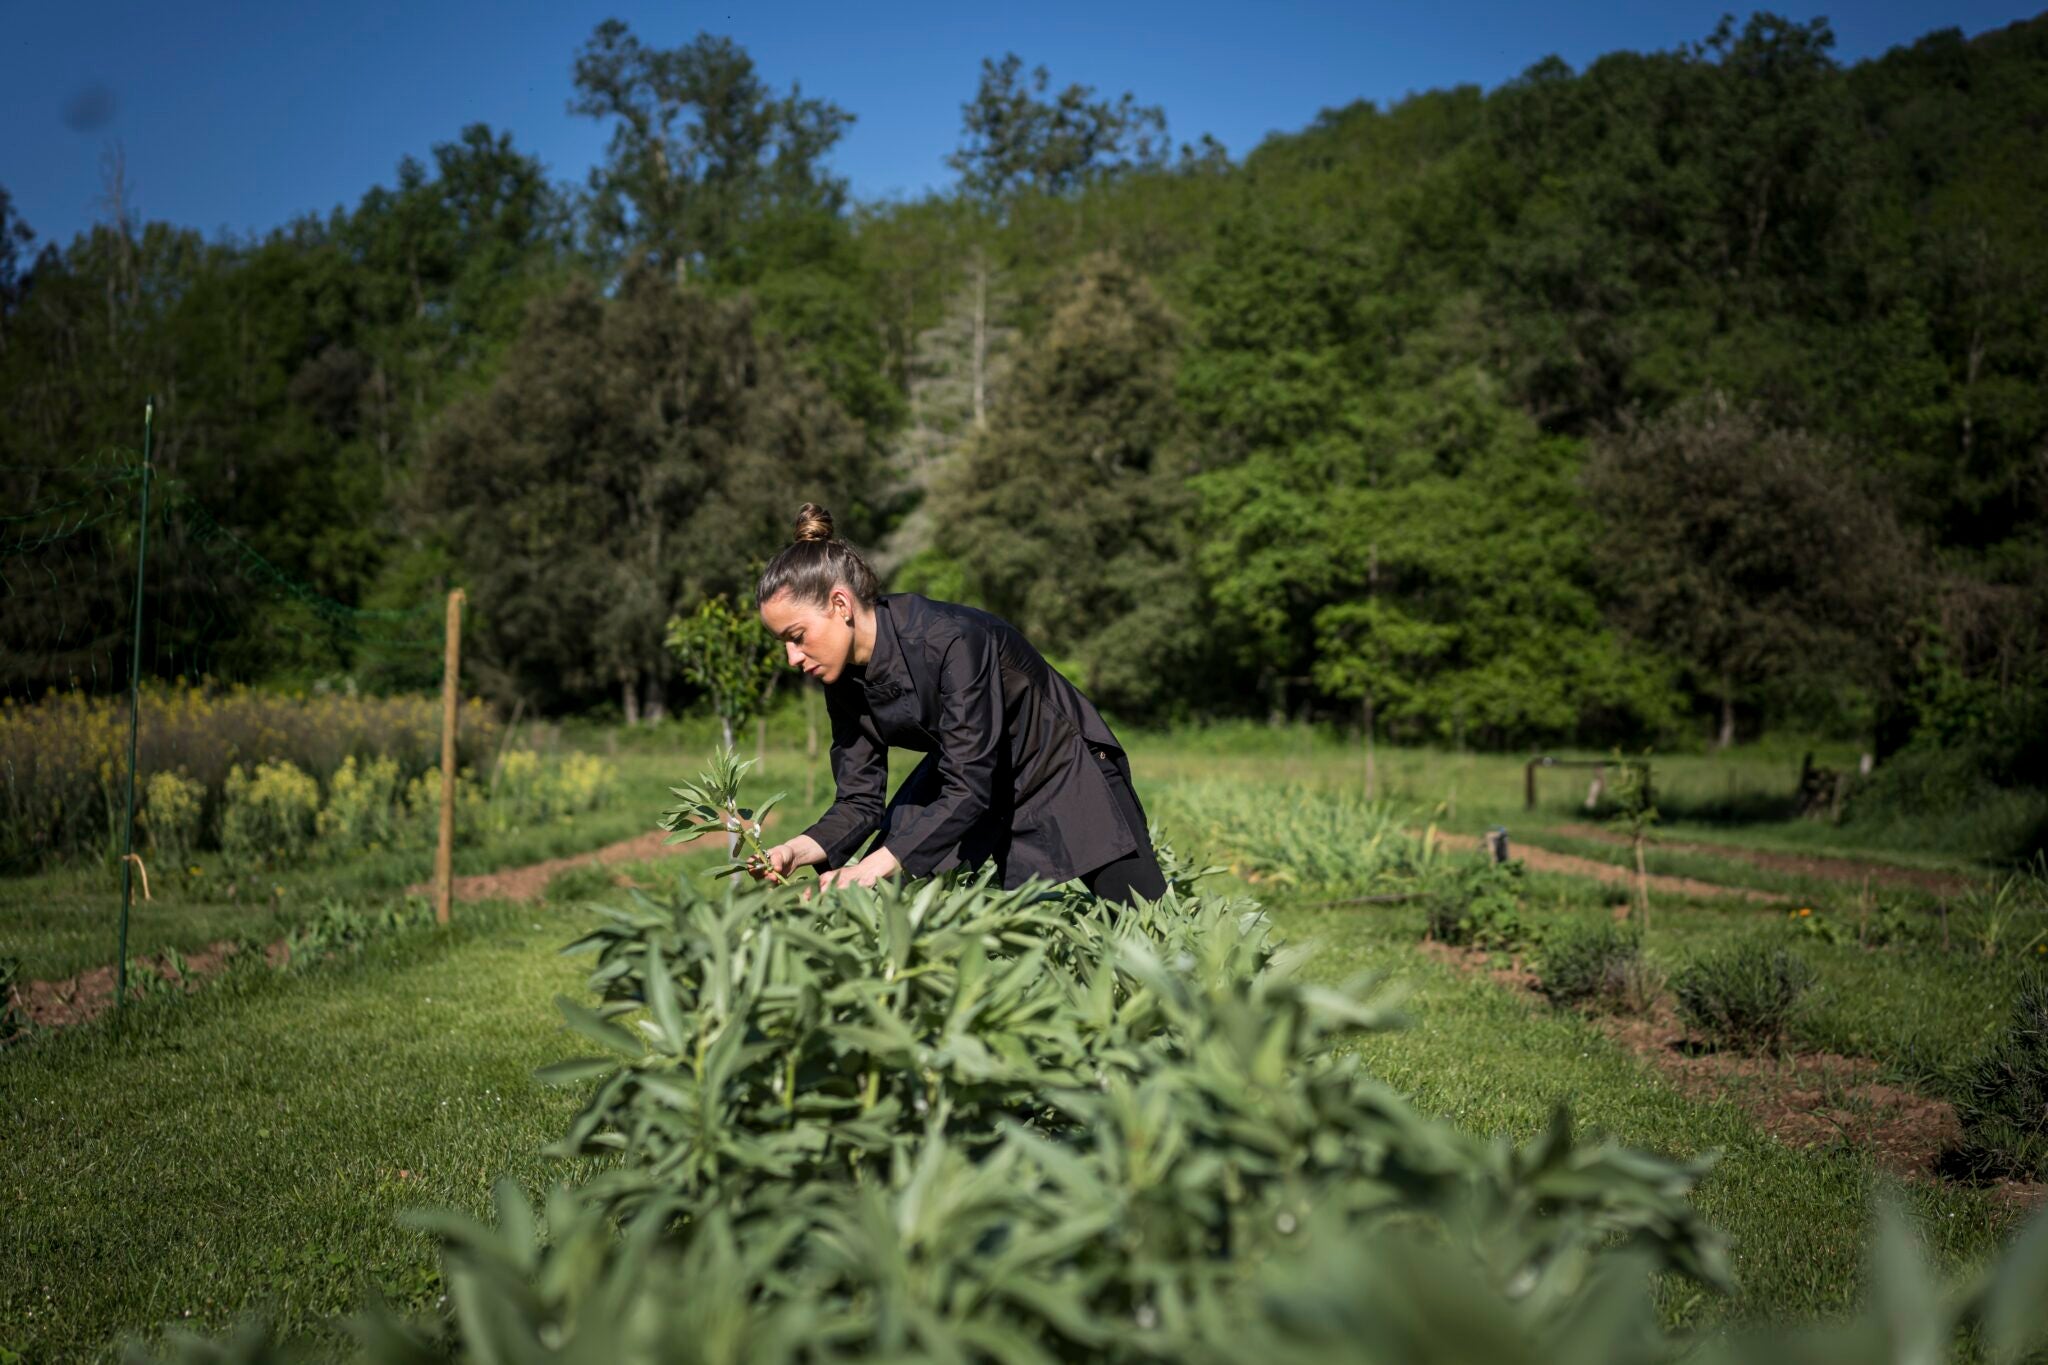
[866, 872]
[785, 858]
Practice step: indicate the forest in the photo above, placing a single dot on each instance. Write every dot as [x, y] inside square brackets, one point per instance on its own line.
[1695, 396]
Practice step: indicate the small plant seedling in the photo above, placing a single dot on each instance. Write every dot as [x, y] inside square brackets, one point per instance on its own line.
[1636, 812]
[711, 805]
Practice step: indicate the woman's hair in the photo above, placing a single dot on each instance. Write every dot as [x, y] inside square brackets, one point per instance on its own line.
[815, 563]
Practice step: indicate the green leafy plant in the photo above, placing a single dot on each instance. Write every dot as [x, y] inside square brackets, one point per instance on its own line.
[2004, 1105]
[2011, 914]
[173, 808]
[1299, 837]
[1805, 922]
[711, 805]
[1746, 995]
[361, 808]
[1475, 904]
[267, 815]
[1599, 963]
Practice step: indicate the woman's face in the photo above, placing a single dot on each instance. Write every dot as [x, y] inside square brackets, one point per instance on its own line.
[814, 638]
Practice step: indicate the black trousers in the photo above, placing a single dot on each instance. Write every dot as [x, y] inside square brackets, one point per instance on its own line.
[1136, 872]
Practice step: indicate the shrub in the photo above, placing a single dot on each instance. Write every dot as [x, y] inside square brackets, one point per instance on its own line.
[1298, 837]
[1596, 963]
[423, 806]
[526, 789]
[63, 760]
[1744, 996]
[987, 1082]
[1475, 904]
[268, 815]
[361, 810]
[173, 807]
[2004, 1108]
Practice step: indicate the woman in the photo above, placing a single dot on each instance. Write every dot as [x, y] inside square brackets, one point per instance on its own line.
[1021, 770]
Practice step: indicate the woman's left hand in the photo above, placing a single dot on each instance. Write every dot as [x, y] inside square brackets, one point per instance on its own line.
[866, 872]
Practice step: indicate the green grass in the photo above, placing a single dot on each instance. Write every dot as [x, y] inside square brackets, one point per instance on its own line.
[240, 1151]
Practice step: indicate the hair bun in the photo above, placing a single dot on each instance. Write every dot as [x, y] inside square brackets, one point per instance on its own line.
[813, 523]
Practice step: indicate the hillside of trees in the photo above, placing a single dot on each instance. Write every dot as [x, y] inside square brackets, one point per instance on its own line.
[1688, 397]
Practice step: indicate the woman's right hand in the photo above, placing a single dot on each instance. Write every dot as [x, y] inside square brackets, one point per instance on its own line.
[783, 859]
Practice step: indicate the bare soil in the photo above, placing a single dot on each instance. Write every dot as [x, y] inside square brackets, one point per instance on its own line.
[530, 882]
[75, 999]
[1849, 870]
[1543, 860]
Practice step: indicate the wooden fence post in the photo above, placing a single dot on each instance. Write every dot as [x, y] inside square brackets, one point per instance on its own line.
[444, 851]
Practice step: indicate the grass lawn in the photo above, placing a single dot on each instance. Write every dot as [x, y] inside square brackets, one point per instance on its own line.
[242, 1151]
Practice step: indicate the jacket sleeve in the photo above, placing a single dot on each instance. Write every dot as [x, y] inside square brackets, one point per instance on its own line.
[860, 772]
[970, 729]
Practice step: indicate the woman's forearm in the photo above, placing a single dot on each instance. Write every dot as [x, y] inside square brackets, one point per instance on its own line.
[809, 852]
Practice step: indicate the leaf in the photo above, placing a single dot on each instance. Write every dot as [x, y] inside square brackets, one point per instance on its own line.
[575, 1069]
[598, 1030]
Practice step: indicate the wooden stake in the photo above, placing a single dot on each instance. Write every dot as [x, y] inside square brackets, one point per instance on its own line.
[1642, 883]
[444, 851]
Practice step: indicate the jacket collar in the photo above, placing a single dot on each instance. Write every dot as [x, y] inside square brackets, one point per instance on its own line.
[885, 674]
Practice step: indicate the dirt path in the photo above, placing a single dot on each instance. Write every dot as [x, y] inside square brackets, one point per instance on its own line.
[74, 1000]
[1807, 865]
[1543, 860]
[530, 882]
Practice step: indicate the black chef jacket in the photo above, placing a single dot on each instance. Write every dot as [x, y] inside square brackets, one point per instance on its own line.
[1011, 778]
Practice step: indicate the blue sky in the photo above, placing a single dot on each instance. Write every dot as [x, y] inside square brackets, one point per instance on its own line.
[235, 117]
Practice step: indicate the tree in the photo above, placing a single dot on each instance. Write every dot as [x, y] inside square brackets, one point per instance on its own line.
[705, 164]
[1068, 517]
[1753, 555]
[634, 455]
[15, 237]
[1012, 138]
[728, 657]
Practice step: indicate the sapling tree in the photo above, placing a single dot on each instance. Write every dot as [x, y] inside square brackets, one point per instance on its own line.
[725, 652]
[1635, 813]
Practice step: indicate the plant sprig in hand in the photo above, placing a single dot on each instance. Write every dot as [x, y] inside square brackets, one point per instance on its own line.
[711, 805]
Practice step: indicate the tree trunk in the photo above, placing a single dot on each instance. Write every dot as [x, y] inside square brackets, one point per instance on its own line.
[1372, 781]
[1727, 736]
[980, 339]
[1642, 882]
[655, 705]
[725, 728]
[629, 697]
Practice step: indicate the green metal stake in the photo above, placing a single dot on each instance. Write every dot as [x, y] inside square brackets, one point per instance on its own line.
[134, 711]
